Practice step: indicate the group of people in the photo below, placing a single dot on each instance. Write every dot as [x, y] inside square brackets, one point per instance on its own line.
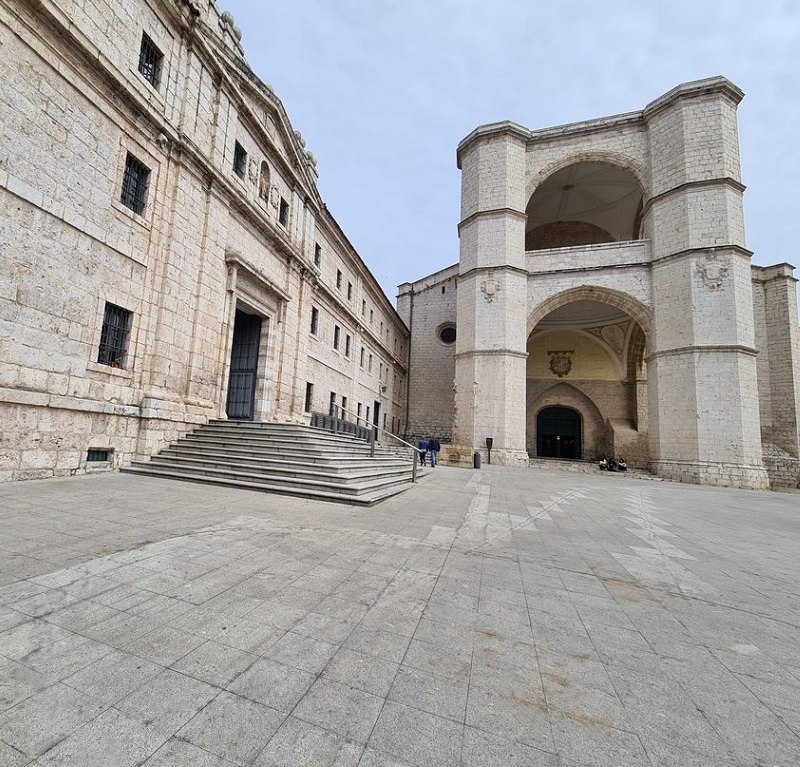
[615, 464]
[430, 445]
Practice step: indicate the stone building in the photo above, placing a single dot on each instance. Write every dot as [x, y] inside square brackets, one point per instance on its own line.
[166, 256]
[604, 302]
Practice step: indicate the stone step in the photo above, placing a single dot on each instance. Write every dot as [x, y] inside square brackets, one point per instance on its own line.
[224, 451]
[586, 467]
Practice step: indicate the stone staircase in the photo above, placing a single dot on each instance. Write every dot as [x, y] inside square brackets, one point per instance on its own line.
[282, 458]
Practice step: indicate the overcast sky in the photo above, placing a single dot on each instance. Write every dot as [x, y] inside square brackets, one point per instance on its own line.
[384, 91]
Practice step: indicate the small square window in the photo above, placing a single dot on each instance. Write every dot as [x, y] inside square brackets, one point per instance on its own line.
[114, 336]
[283, 213]
[239, 160]
[150, 61]
[135, 182]
[317, 254]
[314, 320]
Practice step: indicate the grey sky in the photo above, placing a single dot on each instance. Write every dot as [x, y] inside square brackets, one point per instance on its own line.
[384, 91]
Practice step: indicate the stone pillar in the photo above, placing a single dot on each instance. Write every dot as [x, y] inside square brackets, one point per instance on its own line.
[492, 294]
[704, 415]
[779, 347]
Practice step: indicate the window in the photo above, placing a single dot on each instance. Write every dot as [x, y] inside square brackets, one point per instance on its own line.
[447, 334]
[338, 279]
[283, 213]
[309, 396]
[358, 410]
[347, 345]
[349, 291]
[362, 357]
[344, 407]
[97, 455]
[263, 181]
[332, 407]
[381, 328]
[239, 160]
[380, 372]
[317, 254]
[368, 413]
[371, 316]
[442, 289]
[363, 308]
[114, 336]
[369, 367]
[337, 331]
[314, 320]
[150, 60]
[134, 184]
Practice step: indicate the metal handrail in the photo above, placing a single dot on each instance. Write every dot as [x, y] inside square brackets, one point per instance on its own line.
[338, 408]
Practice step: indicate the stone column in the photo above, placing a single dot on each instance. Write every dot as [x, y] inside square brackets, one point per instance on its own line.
[492, 294]
[704, 414]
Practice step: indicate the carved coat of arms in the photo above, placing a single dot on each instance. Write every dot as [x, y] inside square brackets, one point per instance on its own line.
[713, 271]
[560, 362]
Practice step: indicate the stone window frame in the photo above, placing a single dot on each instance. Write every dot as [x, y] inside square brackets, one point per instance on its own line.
[239, 160]
[151, 61]
[444, 328]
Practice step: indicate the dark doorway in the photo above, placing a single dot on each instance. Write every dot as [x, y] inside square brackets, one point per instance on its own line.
[244, 366]
[376, 417]
[558, 433]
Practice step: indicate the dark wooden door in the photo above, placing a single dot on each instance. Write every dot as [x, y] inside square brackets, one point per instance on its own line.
[244, 366]
[558, 433]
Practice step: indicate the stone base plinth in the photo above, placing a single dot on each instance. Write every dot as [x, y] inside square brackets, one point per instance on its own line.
[710, 473]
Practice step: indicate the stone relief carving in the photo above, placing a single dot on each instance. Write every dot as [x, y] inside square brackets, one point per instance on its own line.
[561, 362]
[490, 287]
[252, 170]
[713, 271]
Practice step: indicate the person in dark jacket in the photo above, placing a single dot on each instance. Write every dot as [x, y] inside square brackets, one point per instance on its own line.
[423, 448]
[434, 447]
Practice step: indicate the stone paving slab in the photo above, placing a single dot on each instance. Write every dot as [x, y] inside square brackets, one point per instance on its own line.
[492, 617]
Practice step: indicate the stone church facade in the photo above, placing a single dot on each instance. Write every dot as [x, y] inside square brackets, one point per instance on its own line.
[167, 258]
[605, 303]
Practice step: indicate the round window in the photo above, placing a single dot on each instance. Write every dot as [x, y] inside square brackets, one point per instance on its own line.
[447, 334]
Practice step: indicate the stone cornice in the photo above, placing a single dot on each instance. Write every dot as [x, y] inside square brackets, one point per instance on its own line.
[773, 272]
[493, 213]
[693, 89]
[492, 130]
[688, 252]
[498, 268]
[491, 353]
[703, 349]
[690, 186]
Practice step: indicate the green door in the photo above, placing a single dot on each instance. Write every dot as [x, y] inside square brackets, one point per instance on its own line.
[558, 433]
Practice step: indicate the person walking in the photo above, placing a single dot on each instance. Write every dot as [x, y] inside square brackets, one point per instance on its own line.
[434, 447]
[423, 448]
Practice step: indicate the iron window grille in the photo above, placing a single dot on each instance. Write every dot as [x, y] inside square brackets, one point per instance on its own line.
[150, 61]
[239, 160]
[97, 456]
[135, 182]
[114, 336]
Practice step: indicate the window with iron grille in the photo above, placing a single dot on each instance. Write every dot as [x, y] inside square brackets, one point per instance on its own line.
[239, 160]
[114, 336]
[135, 182]
[314, 320]
[309, 396]
[283, 214]
[96, 455]
[150, 61]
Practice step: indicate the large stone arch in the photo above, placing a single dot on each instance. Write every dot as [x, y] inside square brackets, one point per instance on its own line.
[562, 394]
[618, 159]
[623, 301]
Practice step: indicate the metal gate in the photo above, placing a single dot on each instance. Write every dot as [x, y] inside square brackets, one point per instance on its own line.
[244, 366]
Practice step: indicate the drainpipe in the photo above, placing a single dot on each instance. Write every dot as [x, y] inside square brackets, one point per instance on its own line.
[408, 360]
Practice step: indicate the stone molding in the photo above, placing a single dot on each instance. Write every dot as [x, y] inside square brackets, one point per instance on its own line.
[702, 349]
[492, 213]
[692, 185]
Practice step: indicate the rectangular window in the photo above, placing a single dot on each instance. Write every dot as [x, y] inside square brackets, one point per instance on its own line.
[367, 416]
[358, 410]
[362, 357]
[363, 308]
[337, 332]
[309, 397]
[332, 408]
[96, 455]
[344, 407]
[134, 184]
[349, 291]
[114, 336]
[371, 316]
[150, 61]
[314, 320]
[239, 160]
[338, 279]
[317, 254]
[283, 213]
[369, 367]
[347, 344]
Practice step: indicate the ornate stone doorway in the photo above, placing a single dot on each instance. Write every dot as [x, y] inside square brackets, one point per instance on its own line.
[558, 433]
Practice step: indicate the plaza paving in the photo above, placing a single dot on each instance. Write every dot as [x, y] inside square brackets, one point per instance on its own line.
[493, 617]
